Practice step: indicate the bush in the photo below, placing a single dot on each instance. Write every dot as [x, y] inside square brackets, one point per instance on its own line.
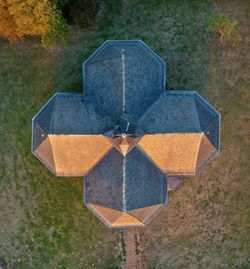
[227, 28]
[79, 12]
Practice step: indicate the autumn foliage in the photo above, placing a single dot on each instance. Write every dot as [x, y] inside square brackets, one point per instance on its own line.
[40, 18]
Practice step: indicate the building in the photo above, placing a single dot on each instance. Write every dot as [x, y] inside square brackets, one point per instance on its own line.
[126, 134]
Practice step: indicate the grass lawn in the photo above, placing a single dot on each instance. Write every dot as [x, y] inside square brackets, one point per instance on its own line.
[43, 223]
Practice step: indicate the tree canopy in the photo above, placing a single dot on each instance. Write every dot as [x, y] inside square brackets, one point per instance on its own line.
[38, 18]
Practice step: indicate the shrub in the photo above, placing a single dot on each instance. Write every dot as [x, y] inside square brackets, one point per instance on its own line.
[227, 28]
[79, 12]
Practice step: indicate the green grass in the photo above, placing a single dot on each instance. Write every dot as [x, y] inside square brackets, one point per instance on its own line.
[43, 223]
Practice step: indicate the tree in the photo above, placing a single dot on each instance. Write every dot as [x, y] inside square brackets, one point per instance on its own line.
[38, 18]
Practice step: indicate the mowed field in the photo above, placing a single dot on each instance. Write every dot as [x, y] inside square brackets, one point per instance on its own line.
[43, 223]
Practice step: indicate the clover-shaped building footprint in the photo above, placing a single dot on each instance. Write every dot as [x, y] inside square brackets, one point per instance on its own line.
[126, 134]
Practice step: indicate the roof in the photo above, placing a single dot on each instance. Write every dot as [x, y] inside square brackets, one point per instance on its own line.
[68, 135]
[126, 133]
[125, 184]
[181, 132]
[124, 77]
[69, 113]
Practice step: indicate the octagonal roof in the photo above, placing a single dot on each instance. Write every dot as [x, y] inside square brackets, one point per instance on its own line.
[124, 77]
[68, 135]
[181, 132]
[125, 185]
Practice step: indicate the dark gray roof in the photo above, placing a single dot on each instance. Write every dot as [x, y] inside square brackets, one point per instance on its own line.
[181, 112]
[125, 183]
[67, 113]
[124, 77]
